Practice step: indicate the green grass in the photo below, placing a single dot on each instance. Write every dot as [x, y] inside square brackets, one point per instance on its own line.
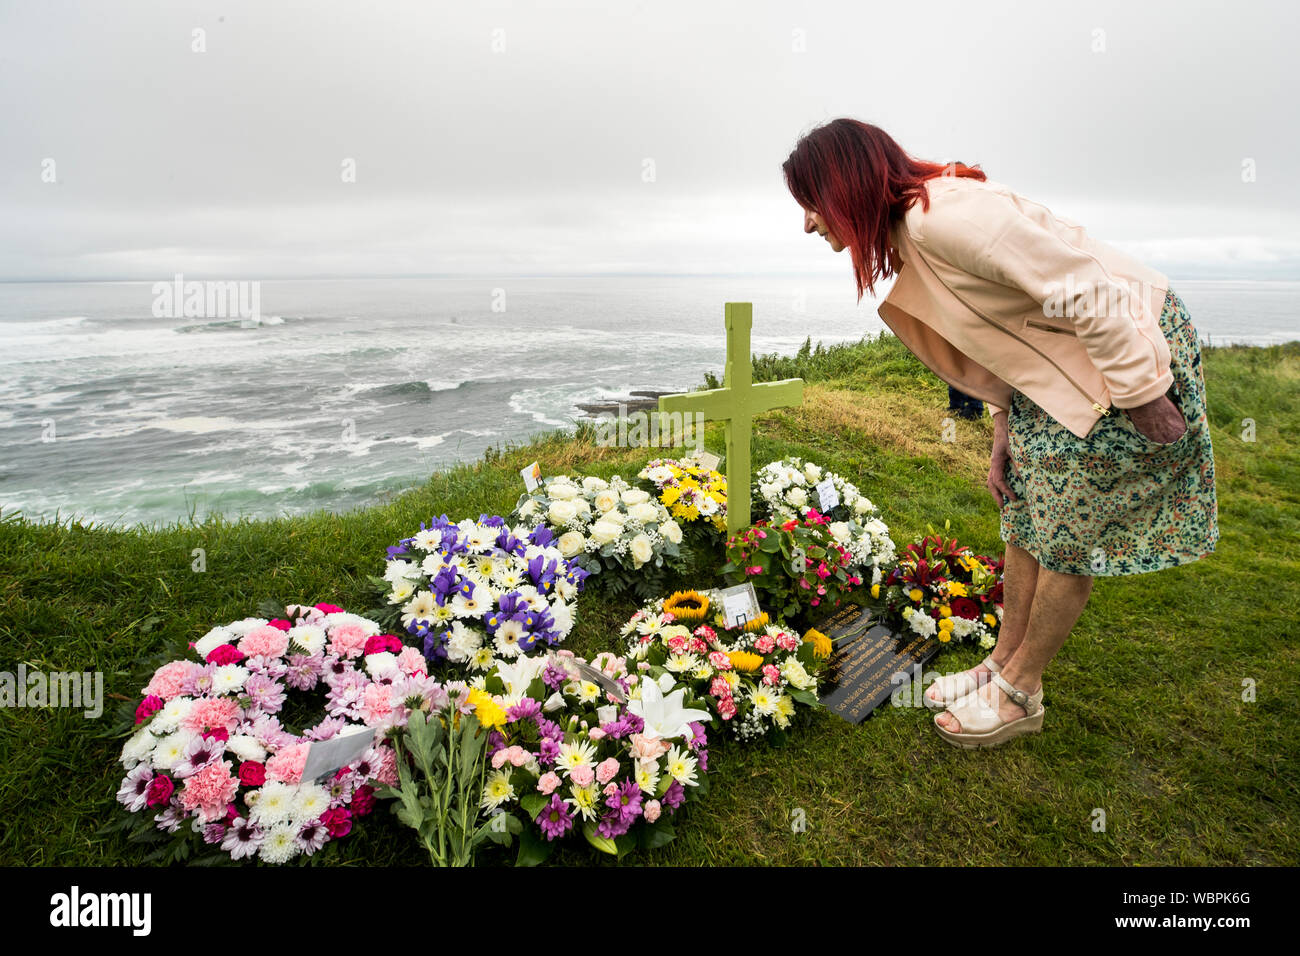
[1145, 713]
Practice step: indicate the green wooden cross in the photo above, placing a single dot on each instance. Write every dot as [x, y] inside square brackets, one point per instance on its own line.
[737, 402]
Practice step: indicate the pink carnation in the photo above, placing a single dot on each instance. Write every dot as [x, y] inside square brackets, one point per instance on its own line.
[212, 713]
[210, 790]
[720, 687]
[264, 641]
[160, 790]
[595, 733]
[582, 776]
[771, 675]
[547, 782]
[167, 680]
[787, 641]
[651, 811]
[329, 608]
[148, 707]
[280, 624]
[375, 703]
[224, 654]
[726, 708]
[765, 644]
[386, 772]
[286, 766]
[347, 640]
[410, 661]
[607, 770]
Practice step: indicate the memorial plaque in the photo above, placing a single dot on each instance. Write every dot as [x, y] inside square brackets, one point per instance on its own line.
[860, 673]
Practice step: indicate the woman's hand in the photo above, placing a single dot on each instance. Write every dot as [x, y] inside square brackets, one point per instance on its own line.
[1159, 421]
[997, 483]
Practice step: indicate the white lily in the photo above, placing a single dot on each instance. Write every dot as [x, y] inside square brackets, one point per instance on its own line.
[664, 717]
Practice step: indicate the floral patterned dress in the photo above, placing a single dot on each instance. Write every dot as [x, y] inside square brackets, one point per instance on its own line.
[1116, 502]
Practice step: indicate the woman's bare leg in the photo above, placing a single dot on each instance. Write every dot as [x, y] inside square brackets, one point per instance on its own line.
[1019, 579]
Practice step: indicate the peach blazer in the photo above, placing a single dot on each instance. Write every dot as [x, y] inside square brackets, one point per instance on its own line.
[996, 293]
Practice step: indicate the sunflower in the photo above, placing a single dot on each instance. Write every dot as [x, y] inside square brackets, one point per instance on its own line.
[687, 606]
[820, 642]
[745, 661]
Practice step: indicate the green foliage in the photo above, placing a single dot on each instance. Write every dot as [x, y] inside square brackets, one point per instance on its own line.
[441, 766]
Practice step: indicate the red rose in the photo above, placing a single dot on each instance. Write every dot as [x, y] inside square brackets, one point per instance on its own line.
[252, 773]
[148, 707]
[224, 654]
[160, 790]
[965, 607]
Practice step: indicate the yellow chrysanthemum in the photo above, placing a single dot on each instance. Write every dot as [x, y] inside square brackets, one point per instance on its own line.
[688, 606]
[991, 620]
[670, 495]
[875, 590]
[489, 712]
[957, 589]
[946, 624]
[745, 661]
[916, 594]
[945, 635]
[820, 642]
[945, 610]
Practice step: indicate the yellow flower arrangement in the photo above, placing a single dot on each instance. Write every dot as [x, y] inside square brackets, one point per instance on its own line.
[687, 606]
[820, 642]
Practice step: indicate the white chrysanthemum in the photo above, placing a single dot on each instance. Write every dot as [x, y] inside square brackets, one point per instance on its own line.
[462, 642]
[138, 747]
[680, 765]
[681, 663]
[580, 753]
[763, 699]
[922, 624]
[987, 640]
[228, 678]
[170, 716]
[647, 775]
[280, 844]
[309, 803]
[401, 592]
[274, 804]
[170, 750]
[498, 790]
[400, 569]
[563, 616]
[214, 638]
[246, 748]
[482, 659]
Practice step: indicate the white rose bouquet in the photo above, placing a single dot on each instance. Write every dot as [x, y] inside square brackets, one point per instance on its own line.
[609, 528]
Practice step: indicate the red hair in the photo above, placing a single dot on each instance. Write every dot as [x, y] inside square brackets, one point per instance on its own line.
[860, 181]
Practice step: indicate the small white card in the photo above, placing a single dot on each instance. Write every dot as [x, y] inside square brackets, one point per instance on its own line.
[708, 461]
[327, 756]
[532, 476]
[739, 605]
[827, 496]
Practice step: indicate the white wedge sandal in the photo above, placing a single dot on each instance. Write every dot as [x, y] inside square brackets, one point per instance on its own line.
[982, 727]
[953, 687]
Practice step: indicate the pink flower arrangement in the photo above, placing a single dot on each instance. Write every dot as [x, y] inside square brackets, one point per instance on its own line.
[241, 728]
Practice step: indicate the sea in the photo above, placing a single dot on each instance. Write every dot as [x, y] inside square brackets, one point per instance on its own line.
[118, 409]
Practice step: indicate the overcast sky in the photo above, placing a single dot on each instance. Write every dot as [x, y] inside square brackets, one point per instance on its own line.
[1134, 119]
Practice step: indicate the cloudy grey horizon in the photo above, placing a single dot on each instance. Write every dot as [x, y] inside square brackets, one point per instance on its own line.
[244, 140]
